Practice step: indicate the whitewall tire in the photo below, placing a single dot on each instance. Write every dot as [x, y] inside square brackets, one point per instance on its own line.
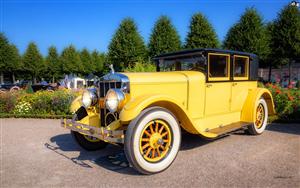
[260, 118]
[152, 140]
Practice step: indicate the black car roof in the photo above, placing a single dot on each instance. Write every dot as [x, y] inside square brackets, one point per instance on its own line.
[182, 52]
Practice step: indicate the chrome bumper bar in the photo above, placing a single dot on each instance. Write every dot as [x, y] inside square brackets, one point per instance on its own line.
[112, 136]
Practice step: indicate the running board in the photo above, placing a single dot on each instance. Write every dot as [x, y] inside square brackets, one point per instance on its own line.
[228, 128]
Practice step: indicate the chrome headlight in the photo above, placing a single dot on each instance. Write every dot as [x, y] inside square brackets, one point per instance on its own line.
[89, 98]
[114, 99]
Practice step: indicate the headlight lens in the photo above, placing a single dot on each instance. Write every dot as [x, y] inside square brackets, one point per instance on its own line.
[114, 99]
[89, 98]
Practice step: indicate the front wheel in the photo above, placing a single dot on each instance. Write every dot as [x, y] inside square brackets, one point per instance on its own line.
[88, 142]
[152, 140]
[261, 118]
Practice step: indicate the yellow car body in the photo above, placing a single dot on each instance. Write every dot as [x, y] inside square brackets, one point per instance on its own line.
[209, 101]
[182, 93]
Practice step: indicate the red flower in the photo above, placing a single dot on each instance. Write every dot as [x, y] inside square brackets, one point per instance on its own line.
[291, 98]
[278, 91]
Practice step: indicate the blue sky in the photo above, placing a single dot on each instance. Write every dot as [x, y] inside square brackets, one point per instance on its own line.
[92, 23]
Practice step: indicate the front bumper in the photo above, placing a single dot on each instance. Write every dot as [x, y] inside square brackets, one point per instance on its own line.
[103, 133]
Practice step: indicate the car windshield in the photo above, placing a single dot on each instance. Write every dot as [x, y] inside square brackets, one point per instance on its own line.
[183, 63]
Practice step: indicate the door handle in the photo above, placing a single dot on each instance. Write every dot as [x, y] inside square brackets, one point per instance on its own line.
[234, 84]
[208, 85]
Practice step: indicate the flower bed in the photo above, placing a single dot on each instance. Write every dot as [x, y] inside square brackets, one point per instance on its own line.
[287, 102]
[42, 104]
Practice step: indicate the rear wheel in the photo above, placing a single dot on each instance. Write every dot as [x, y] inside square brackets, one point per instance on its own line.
[88, 142]
[261, 118]
[152, 140]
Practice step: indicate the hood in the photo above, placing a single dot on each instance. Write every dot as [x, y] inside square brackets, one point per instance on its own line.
[165, 77]
[156, 77]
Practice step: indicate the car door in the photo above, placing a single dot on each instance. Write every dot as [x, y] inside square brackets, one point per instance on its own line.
[218, 86]
[240, 82]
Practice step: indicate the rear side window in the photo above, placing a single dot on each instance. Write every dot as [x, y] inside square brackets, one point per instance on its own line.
[218, 67]
[240, 67]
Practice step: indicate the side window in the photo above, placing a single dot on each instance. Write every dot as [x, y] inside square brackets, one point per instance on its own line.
[218, 67]
[190, 63]
[240, 68]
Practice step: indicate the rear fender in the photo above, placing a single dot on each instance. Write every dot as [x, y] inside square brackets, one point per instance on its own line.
[248, 111]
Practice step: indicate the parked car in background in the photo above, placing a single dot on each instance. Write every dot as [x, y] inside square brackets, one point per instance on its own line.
[42, 86]
[13, 86]
[208, 92]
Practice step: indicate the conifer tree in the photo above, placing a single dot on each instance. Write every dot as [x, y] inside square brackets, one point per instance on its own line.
[201, 33]
[10, 61]
[249, 34]
[285, 37]
[98, 62]
[285, 34]
[53, 64]
[164, 37]
[33, 62]
[127, 46]
[70, 61]
[87, 62]
[14, 64]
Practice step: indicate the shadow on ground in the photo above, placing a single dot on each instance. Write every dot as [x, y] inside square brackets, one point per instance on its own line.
[285, 128]
[111, 158]
[114, 159]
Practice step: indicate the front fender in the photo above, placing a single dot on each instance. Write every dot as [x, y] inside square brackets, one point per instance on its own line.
[76, 104]
[248, 111]
[133, 108]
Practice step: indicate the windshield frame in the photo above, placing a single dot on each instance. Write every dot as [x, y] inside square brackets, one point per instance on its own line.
[160, 61]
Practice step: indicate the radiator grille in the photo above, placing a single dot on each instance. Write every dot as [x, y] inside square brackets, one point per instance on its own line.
[104, 86]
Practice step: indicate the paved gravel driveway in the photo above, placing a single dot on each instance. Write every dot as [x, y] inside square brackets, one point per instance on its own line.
[39, 153]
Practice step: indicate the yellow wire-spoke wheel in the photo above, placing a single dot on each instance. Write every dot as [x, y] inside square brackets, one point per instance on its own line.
[155, 140]
[91, 138]
[260, 116]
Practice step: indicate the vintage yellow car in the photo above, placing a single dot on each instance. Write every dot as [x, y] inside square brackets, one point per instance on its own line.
[208, 92]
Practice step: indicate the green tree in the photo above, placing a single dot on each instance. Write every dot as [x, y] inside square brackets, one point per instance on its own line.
[9, 58]
[285, 35]
[87, 61]
[33, 61]
[98, 62]
[53, 64]
[126, 46]
[14, 64]
[248, 34]
[70, 61]
[4, 58]
[164, 37]
[141, 67]
[201, 33]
